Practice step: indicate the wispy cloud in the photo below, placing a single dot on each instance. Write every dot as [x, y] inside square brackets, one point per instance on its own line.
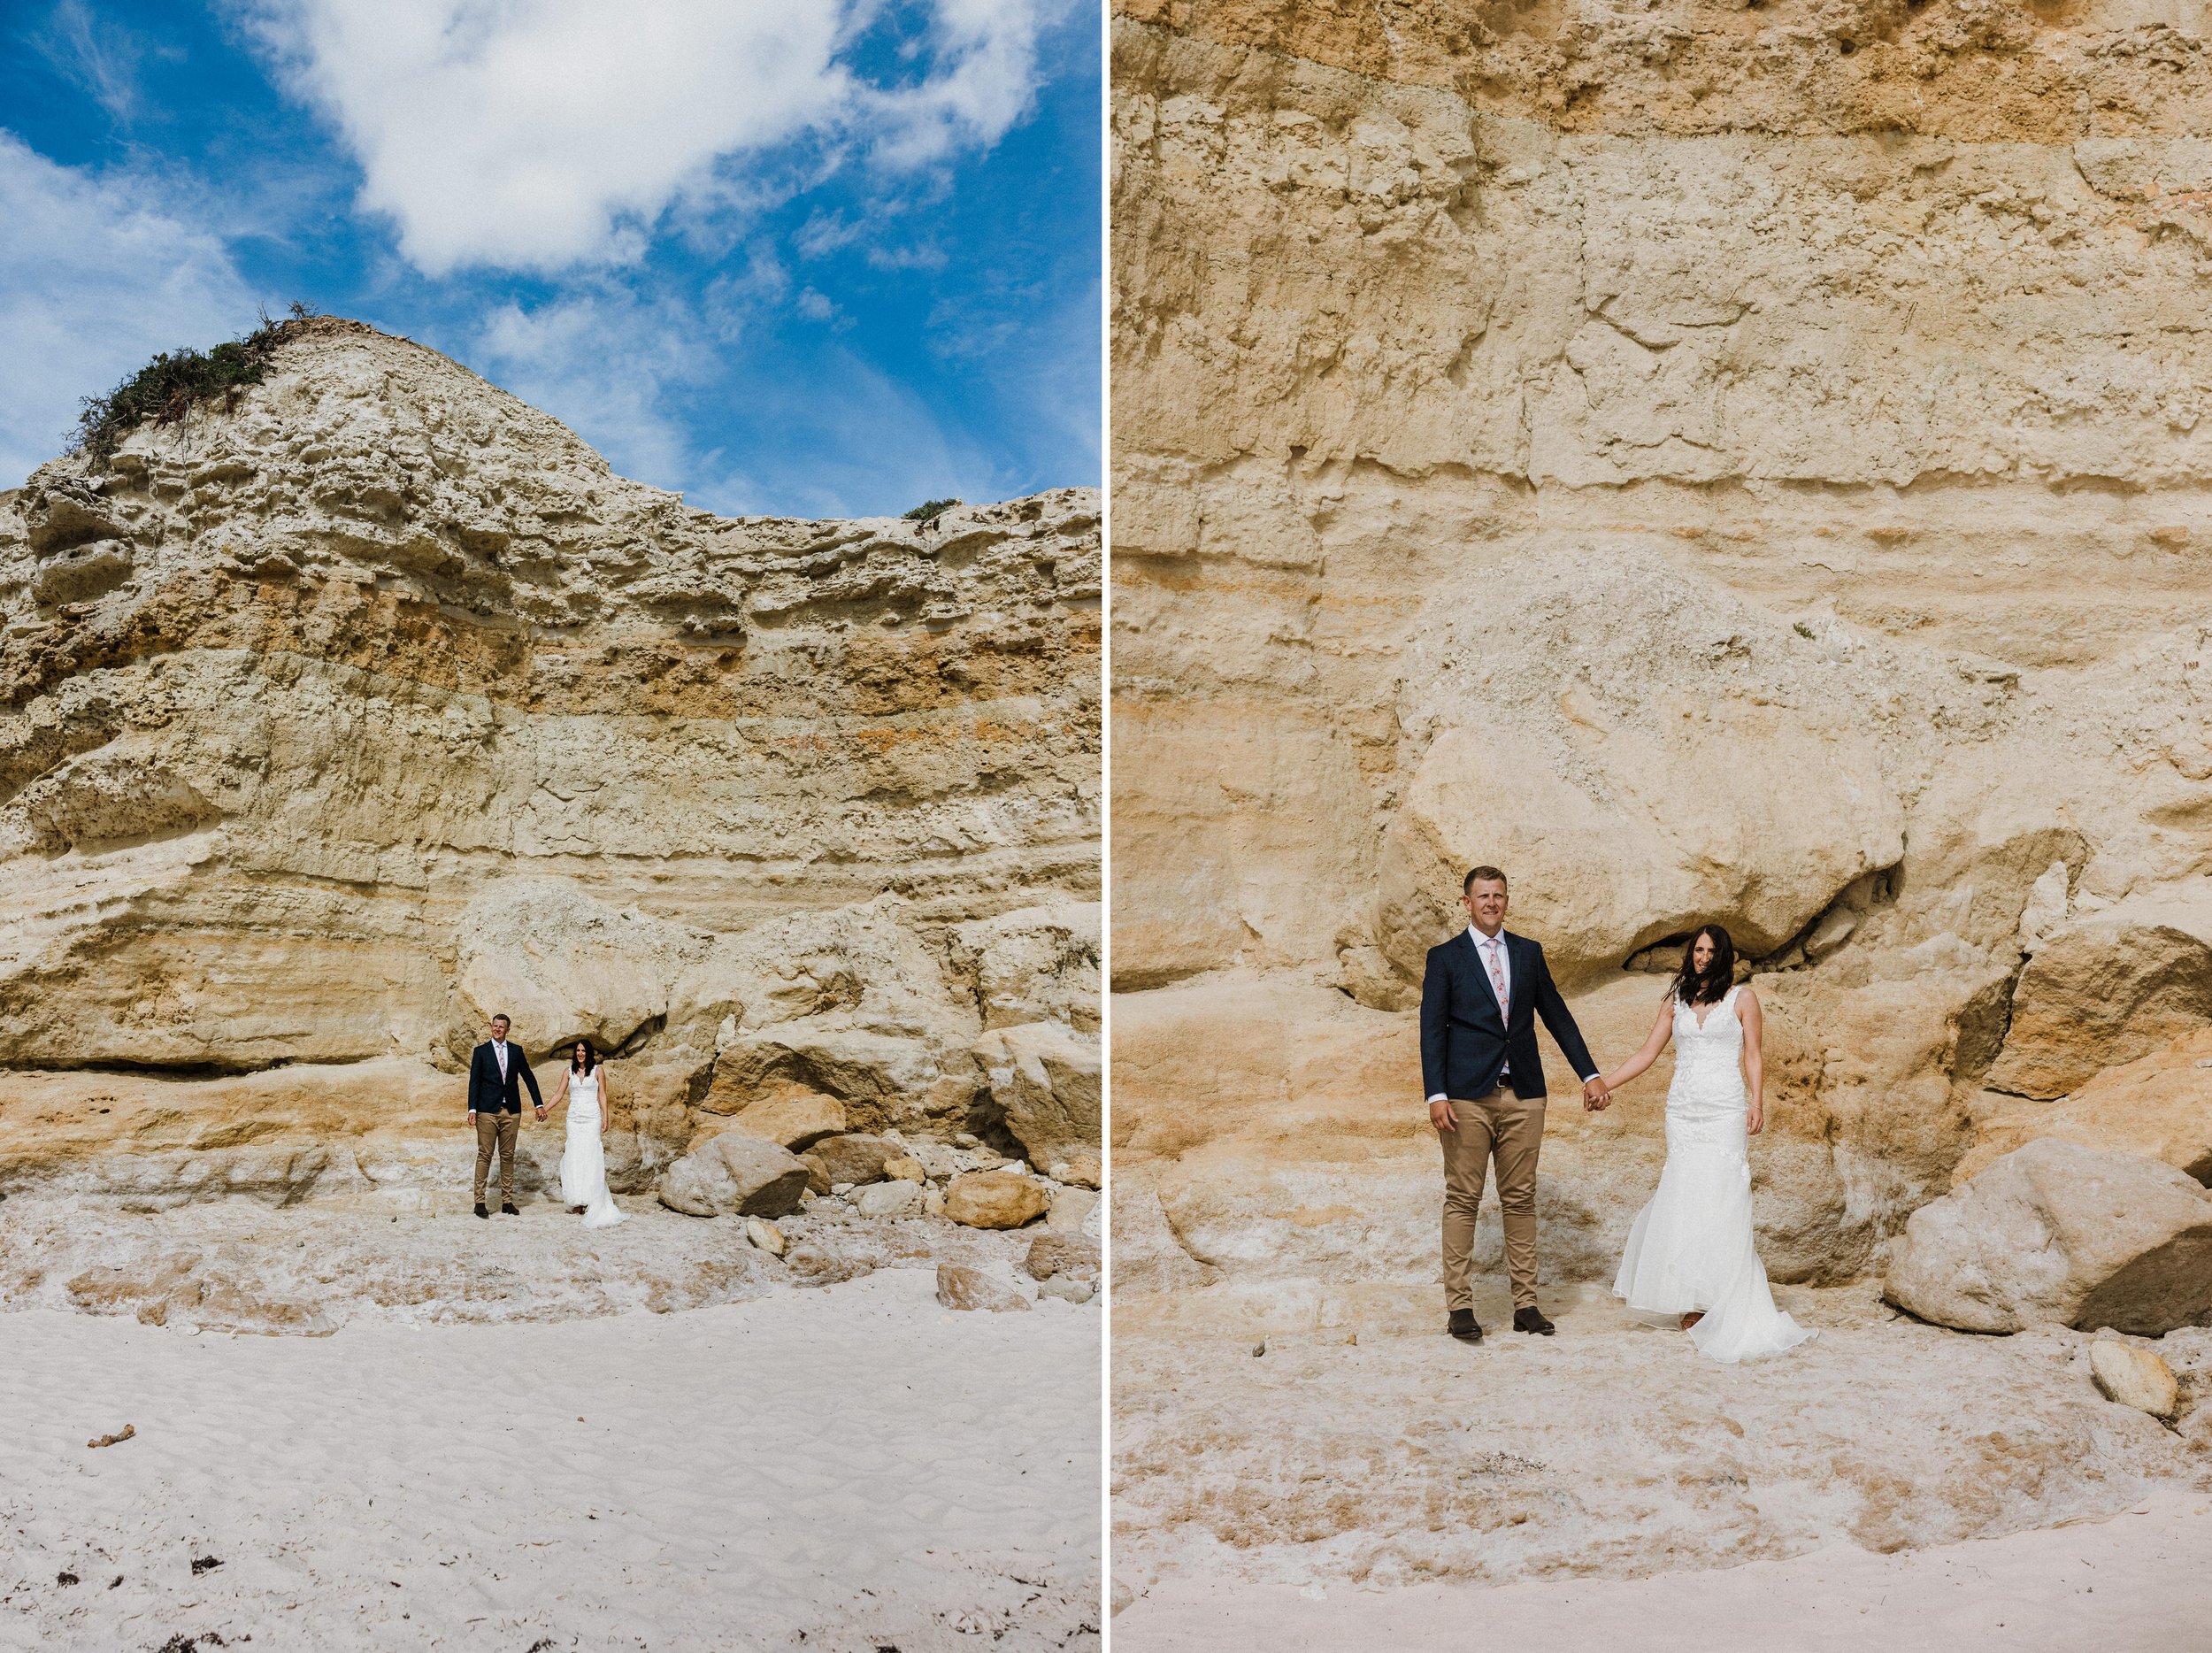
[97, 271]
[604, 363]
[101, 60]
[543, 134]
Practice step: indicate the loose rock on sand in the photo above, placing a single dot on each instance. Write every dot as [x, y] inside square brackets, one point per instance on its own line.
[962, 1287]
[2134, 1376]
[994, 1199]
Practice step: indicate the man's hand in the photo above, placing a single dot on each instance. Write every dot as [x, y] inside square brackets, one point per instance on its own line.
[471, 1116]
[1595, 1098]
[1441, 1117]
[541, 1111]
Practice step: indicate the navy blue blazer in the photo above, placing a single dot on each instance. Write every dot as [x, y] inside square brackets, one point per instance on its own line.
[487, 1093]
[1465, 1043]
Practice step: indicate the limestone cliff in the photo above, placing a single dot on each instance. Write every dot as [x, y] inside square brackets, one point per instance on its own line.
[1718, 462]
[336, 721]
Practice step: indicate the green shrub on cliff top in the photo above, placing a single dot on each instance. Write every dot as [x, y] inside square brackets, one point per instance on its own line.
[174, 382]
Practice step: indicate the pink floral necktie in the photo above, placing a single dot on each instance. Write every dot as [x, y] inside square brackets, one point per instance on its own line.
[1497, 978]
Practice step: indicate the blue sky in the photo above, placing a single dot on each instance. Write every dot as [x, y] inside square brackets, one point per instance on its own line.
[814, 257]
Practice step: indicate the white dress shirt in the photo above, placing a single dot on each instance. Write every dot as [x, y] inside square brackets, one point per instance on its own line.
[1487, 947]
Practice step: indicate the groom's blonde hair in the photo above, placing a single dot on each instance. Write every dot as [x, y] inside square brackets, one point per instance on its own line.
[1490, 872]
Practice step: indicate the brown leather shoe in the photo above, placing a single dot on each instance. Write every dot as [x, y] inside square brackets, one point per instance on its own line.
[480, 1211]
[1533, 1320]
[1460, 1323]
[508, 1210]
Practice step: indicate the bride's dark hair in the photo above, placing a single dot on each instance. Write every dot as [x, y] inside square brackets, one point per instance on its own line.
[1709, 987]
[591, 1056]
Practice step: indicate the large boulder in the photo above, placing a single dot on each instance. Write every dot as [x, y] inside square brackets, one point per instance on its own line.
[563, 965]
[734, 1175]
[2134, 1376]
[2059, 1233]
[1788, 810]
[1045, 1078]
[994, 1199]
[1076, 1255]
[2104, 991]
[793, 1118]
[2158, 1105]
[851, 1002]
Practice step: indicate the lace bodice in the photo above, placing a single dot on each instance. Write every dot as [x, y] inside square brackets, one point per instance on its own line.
[1707, 1085]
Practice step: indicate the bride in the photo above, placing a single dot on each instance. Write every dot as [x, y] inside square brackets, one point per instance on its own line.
[1690, 1250]
[583, 1165]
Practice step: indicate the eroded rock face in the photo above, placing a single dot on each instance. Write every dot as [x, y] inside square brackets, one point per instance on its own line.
[2100, 994]
[2159, 1106]
[1045, 1078]
[1531, 453]
[335, 723]
[2058, 1234]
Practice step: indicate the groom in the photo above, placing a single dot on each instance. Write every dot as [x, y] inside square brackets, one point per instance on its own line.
[1479, 1001]
[496, 1071]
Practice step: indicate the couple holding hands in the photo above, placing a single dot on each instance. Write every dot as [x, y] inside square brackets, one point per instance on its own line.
[498, 1072]
[1690, 1256]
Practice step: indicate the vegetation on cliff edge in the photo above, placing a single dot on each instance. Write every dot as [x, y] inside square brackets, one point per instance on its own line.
[174, 382]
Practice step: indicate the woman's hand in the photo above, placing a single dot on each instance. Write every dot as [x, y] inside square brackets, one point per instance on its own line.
[1754, 1118]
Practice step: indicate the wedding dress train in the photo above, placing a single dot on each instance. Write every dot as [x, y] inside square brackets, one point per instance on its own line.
[1690, 1249]
[584, 1163]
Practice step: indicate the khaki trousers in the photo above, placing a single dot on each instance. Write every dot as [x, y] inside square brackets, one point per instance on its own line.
[1499, 1127]
[500, 1131]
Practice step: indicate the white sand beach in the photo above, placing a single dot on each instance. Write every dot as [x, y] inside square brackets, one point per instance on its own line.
[2138, 1580]
[847, 1467]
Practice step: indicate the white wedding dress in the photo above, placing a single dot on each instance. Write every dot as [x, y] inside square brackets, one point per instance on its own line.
[1691, 1248]
[583, 1165]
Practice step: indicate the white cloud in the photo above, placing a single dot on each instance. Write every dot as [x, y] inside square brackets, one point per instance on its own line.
[97, 272]
[102, 59]
[617, 366]
[600, 363]
[539, 134]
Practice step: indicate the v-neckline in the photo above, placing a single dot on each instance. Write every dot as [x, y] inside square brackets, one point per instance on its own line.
[1718, 1004]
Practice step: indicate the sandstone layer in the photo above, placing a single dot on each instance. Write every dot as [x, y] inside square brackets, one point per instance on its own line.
[1718, 463]
[334, 721]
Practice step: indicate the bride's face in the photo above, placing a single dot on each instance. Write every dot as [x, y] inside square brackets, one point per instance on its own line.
[1701, 954]
[578, 1053]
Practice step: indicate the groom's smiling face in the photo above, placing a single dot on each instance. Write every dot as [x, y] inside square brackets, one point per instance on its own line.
[1485, 900]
